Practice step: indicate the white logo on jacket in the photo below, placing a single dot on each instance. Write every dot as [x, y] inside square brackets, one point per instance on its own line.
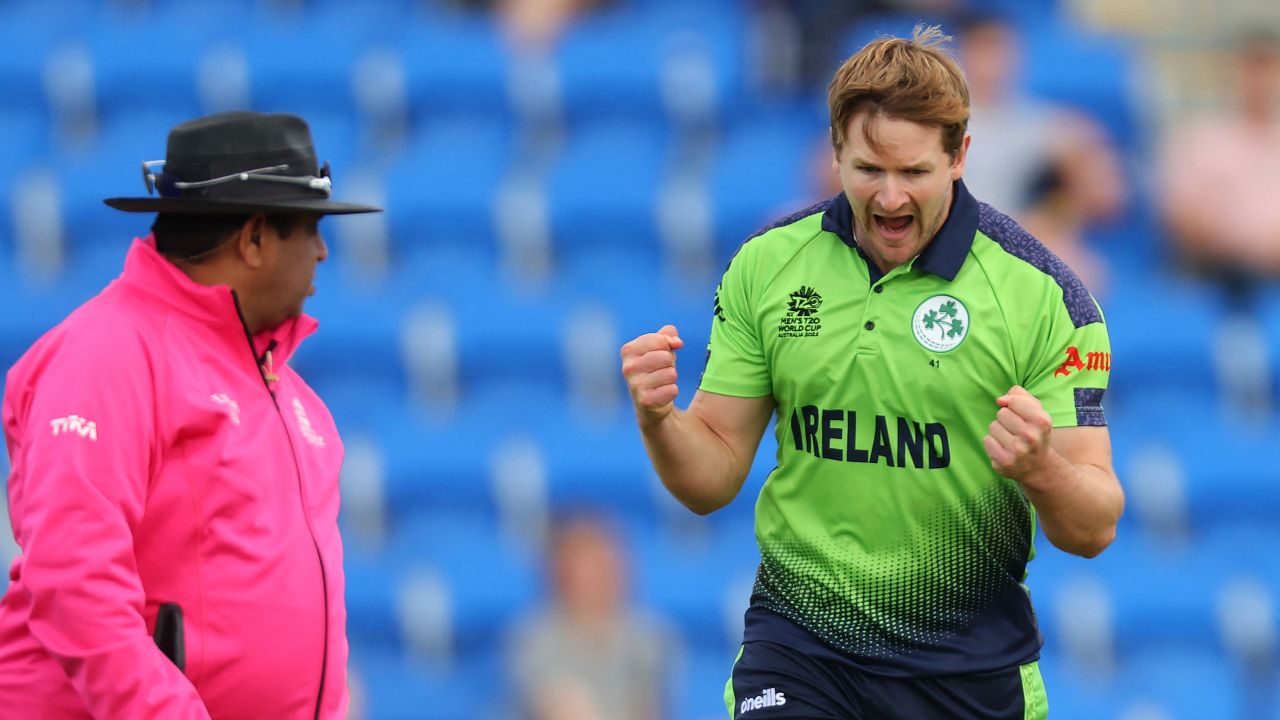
[304, 424]
[233, 408]
[75, 424]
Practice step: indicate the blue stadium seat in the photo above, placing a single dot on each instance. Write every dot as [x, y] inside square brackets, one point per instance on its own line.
[666, 62]
[1075, 692]
[760, 174]
[643, 295]
[491, 577]
[504, 334]
[441, 189]
[1161, 331]
[1192, 684]
[442, 461]
[456, 66]
[1241, 549]
[604, 186]
[370, 595]
[43, 305]
[1225, 481]
[700, 690]
[699, 578]
[438, 465]
[303, 64]
[1179, 614]
[1027, 12]
[392, 686]
[1216, 451]
[359, 334]
[112, 167]
[359, 402]
[600, 463]
[26, 143]
[29, 31]
[1268, 314]
[150, 63]
[628, 278]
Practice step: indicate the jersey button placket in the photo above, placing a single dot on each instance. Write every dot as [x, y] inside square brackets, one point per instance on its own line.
[868, 323]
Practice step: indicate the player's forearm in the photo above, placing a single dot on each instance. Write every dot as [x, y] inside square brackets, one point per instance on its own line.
[696, 465]
[1078, 505]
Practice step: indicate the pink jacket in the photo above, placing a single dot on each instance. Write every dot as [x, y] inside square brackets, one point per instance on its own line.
[154, 461]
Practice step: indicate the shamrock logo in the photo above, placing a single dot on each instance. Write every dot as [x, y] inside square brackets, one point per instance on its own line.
[941, 323]
[945, 319]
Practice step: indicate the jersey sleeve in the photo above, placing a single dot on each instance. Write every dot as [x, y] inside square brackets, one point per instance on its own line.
[81, 433]
[1070, 365]
[735, 354]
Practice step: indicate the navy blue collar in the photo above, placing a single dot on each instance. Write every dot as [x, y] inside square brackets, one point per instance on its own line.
[943, 256]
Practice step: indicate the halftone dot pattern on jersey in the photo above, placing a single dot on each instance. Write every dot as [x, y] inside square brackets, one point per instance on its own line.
[911, 596]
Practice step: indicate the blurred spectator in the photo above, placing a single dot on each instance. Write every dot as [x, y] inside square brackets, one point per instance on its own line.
[589, 655]
[1015, 136]
[534, 24]
[1221, 173]
[1074, 189]
[802, 41]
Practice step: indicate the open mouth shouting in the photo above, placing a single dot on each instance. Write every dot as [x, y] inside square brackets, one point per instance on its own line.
[894, 227]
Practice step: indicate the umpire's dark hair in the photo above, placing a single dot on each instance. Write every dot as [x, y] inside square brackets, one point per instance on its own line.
[192, 238]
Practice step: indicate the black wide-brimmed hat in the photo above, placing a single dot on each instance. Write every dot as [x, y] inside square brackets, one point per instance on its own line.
[237, 163]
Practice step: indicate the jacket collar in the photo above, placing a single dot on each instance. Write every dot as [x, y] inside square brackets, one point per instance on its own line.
[943, 256]
[215, 305]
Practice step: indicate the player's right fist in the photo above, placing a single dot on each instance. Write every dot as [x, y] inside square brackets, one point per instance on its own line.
[649, 366]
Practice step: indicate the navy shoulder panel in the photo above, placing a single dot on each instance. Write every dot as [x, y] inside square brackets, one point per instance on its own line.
[818, 207]
[1016, 241]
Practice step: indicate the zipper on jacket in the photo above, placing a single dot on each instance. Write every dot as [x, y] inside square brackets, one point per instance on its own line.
[306, 516]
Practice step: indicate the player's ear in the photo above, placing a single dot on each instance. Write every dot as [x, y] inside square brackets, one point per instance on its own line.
[957, 163]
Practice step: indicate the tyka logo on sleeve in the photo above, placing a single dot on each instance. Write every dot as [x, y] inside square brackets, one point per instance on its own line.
[83, 427]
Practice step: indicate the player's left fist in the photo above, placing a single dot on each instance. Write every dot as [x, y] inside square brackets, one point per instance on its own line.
[1017, 440]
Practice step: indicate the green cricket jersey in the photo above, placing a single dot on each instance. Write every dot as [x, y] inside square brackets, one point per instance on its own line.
[884, 532]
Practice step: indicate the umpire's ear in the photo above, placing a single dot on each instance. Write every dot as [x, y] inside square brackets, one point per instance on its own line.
[248, 241]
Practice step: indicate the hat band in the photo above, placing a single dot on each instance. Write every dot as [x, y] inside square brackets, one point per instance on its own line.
[170, 187]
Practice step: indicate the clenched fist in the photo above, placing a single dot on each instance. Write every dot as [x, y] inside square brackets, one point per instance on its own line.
[649, 366]
[1017, 440]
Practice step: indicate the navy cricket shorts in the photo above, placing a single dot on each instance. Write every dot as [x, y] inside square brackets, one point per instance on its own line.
[772, 681]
